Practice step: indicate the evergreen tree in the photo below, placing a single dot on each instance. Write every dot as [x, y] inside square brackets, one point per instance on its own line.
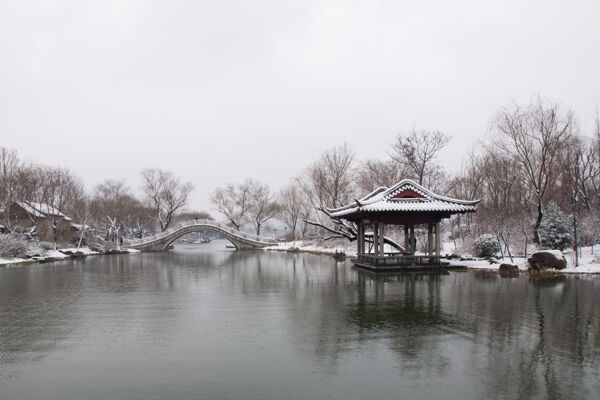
[555, 228]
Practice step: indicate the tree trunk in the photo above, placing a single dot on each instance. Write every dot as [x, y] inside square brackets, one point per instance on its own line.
[538, 222]
[235, 224]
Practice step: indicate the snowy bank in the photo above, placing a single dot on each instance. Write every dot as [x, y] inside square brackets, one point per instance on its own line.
[589, 263]
[308, 247]
[61, 254]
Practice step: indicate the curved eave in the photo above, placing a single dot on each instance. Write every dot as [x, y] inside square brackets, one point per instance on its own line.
[415, 209]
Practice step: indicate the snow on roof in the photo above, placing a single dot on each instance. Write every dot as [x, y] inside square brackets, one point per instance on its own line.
[405, 196]
[80, 226]
[41, 210]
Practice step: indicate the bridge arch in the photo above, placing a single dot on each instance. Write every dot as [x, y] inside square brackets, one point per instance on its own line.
[161, 241]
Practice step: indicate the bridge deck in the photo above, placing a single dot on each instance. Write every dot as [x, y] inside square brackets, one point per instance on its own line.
[163, 239]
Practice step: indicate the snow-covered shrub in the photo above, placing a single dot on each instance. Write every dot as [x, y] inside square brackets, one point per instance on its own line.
[555, 229]
[12, 247]
[46, 245]
[486, 246]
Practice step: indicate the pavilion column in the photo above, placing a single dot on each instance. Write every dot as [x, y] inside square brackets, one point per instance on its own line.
[413, 242]
[438, 241]
[381, 236]
[359, 238]
[430, 239]
[362, 237]
[406, 240]
[375, 238]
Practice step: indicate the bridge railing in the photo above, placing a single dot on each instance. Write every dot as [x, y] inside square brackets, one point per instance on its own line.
[184, 224]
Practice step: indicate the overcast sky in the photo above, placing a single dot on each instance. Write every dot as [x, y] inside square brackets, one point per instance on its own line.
[217, 91]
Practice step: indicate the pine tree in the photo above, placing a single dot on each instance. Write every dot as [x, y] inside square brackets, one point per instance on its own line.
[555, 228]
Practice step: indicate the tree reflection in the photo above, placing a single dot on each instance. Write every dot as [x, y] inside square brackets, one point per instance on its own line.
[509, 337]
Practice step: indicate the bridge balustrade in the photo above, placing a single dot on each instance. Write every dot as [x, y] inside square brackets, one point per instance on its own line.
[185, 224]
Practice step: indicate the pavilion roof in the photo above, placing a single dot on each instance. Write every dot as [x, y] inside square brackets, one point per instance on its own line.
[405, 196]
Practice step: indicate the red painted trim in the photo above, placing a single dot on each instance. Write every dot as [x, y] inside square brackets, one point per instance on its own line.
[407, 194]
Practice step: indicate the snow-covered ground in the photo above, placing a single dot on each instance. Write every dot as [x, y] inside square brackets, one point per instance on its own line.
[309, 247]
[85, 250]
[7, 261]
[56, 255]
[589, 263]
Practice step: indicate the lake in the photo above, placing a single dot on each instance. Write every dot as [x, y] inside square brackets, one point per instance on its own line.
[206, 322]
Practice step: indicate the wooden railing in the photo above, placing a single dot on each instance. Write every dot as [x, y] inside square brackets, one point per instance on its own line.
[399, 260]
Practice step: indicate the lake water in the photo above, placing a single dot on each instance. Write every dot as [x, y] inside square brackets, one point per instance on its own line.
[203, 322]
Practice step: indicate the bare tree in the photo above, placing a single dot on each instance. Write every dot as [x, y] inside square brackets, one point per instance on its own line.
[233, 202]
[82, 214]
[165, 194]
[290, 200]
[331, 177]
[533, 137]
[308, 206]
[418, 150]
[261, 207]
[329, 183]
[372, 174]
[113, 207]
[58, 194]
[596, 182]
[10, 166]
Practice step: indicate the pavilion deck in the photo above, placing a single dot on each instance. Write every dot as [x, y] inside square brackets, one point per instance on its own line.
[396, 261]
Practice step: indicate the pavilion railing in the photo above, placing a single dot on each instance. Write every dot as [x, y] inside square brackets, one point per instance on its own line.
[399, 260]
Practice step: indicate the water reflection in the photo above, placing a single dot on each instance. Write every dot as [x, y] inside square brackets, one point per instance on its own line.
[270, 325]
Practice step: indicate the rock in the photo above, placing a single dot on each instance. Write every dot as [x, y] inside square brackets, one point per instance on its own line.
[74, 254]
[547, 259]
[293, 250]
[117, 251]
[493, 260]
[467, 257]
[96, 247]
[508, 268]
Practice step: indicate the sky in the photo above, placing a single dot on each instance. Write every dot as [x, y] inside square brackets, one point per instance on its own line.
[217, 91]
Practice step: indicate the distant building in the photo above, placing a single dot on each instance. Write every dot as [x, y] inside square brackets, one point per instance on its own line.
[38, 219]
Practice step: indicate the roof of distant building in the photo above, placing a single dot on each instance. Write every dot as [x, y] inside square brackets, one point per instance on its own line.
[41, 210]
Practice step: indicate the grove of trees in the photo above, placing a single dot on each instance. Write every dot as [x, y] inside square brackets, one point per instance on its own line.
[111, 210]
[536, 173]
[533, 159]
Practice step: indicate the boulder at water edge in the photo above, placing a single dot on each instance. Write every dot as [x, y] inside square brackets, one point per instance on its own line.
[547, 259]
[508, 268]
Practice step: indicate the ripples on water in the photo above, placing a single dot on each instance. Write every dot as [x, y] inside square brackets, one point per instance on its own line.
[202, 322]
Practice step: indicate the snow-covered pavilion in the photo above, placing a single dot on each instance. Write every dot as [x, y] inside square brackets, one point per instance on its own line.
[406, 204]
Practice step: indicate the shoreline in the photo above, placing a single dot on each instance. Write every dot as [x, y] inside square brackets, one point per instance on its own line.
[62, 255]
[472, 265]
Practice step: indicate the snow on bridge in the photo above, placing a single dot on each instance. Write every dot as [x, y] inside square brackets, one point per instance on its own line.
[161, 241]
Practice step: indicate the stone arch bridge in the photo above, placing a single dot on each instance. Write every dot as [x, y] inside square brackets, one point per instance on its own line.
[161, 241]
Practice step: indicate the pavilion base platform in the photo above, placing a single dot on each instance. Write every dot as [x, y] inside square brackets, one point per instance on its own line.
[400, 263]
